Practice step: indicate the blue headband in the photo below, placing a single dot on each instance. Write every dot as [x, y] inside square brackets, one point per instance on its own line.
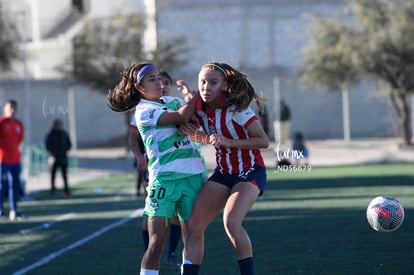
[143, 71]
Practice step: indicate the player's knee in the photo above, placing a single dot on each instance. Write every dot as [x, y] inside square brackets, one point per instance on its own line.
[232, 225]
[195, 228]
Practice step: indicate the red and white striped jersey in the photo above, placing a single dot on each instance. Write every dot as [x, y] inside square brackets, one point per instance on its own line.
[230, 124]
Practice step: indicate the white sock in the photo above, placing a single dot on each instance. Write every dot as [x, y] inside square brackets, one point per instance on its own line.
[148, 272]
[187, 261]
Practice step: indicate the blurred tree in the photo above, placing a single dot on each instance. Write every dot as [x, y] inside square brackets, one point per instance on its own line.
[331, 61]
[107, 46]
[9, 40]
[382, 34]
[387, 33]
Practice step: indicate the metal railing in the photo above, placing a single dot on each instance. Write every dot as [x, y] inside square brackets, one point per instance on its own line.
[39, 161]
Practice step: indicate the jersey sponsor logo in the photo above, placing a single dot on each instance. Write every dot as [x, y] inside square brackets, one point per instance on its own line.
[152, 113]
[184, 142]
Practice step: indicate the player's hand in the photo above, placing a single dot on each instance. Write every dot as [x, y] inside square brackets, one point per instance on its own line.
[142, 164]
[219, 140]
[187, 129]
[183, 88]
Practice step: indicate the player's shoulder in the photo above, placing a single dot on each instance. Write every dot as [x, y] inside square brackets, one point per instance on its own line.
[142, 103]
[172, 103]
[145, 105]
[169, 99]
[248, 112]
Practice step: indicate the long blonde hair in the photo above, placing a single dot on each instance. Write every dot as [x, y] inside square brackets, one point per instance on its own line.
[240, 92]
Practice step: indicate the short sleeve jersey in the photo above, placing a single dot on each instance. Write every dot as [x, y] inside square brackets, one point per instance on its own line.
[11, 135]
[170, 155]
[133, 126]
[233, 125]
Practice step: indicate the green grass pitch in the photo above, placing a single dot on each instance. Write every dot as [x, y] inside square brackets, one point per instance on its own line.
[308, 222]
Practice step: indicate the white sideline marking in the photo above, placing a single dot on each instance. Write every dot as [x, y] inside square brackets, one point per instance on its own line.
[80, 242]
[48, 224]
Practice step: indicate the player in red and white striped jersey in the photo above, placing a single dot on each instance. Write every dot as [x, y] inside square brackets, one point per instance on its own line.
[240, 176]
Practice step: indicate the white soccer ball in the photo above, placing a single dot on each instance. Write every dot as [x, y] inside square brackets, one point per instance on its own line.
[385, 214]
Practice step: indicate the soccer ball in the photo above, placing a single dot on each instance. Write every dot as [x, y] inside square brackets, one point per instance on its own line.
[385, 214]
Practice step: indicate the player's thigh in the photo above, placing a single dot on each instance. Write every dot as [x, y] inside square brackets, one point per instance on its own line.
[242, 197]
[188, 188]
[209, 202]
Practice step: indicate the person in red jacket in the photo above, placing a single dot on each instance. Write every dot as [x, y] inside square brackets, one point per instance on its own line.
[11, 135]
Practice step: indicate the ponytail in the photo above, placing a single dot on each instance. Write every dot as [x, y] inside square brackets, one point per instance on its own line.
[240, 92]
[124, 96]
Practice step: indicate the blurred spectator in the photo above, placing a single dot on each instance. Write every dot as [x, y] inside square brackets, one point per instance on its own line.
[58, 144]
[11, 135]
[284, 121]
[300, 151]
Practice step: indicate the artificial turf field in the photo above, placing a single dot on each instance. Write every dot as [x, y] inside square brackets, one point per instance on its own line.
[308, 222]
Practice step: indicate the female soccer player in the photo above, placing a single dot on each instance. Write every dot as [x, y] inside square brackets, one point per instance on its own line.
[240, 175]
[138, 149]
[174, 166]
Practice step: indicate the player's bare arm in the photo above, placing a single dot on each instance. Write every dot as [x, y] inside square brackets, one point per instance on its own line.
[258, 139]
[134, 147]
[192, 131]
[181, 116]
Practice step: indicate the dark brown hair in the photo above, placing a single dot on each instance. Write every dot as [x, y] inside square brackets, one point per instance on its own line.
[124, 97]
[167, 75]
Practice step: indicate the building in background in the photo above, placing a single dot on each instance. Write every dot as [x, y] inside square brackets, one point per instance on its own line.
[261, 37]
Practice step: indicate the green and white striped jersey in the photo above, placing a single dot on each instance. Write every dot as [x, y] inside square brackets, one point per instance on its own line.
[170, 155]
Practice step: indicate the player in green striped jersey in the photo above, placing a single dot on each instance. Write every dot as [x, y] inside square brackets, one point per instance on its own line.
[174, 165]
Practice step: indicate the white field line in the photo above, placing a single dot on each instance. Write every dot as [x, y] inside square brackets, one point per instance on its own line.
[80, 242]
[48, 224]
